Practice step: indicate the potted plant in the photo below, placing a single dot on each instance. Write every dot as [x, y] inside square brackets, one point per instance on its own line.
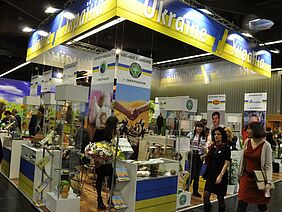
[64, 188]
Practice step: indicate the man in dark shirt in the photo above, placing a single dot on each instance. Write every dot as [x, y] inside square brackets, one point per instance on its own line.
[19, 120]
[36, 122]
[160, 123]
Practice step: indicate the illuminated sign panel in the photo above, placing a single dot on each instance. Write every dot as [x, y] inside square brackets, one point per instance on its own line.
[173, 18]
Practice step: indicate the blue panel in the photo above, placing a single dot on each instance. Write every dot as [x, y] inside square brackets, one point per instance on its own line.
[153, 188]
[27, 169]
[6, 154]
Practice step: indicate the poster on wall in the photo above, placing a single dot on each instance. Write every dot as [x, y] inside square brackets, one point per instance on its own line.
[101, 94]
[70, 73]
[216, 111]
[255, 105]
[35, 85]
[12, 93]
[133, 88]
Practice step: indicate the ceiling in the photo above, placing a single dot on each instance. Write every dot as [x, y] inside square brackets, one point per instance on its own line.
[15, 14]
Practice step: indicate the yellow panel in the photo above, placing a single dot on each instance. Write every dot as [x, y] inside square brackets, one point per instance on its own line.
[26, 180]
[26, 189]
[63, 34]
[155, 201]
[159, 208]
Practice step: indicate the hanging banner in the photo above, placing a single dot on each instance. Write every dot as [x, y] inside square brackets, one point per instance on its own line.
[35, 85]
[216, 110]
[178, 20]
[49, 83]
[255, 105]
[133, 88]
[216, 102]
[88, 14]
[255, 102]
[101, 94]
[70, 73]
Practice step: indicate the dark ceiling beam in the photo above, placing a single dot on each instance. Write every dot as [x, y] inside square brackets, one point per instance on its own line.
[22, 10]
[239, 7]
[268, 3]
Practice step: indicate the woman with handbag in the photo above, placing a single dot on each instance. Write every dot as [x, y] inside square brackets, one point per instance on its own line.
[216, 175]
[257, 155]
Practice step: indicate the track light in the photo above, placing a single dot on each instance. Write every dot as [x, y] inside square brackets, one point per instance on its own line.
[27, 29]
[51, 10]
[16, 68]
[68, 15]
[43, 33]
[183, 58]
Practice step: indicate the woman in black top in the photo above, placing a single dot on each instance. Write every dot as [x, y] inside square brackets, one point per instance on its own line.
[216, 174]
[106, 133]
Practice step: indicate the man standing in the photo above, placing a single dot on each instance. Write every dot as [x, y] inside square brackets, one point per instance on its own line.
[19, 120]
[160, 123]
[36, 122]
[215, 120]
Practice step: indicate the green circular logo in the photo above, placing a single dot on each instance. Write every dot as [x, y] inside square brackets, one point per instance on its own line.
[182, 199]
[103, 67]
[189, 104]
[135, 70]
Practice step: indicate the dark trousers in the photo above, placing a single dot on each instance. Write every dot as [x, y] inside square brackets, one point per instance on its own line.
[102, 172]
[195, 172]
[159, 128]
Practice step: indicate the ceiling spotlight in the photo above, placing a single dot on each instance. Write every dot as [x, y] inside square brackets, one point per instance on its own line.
[260, 24]
[59, 75]
[27, 29]
[246, 34]
[206, 11]
[118, 51]
[51, 10]
[43, 33]
[275, 51]
[68, 15]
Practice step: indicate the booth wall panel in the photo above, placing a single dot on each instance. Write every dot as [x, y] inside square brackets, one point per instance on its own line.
[234, 91]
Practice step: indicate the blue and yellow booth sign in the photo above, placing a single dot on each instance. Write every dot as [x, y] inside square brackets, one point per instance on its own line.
[173, 18]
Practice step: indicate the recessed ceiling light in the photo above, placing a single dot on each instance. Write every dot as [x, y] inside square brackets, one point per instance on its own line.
[270, 43]
[246, 34]
[51, 10]
[69, 43]
[27, 29]
[260, 24]
[206, 11]
[275, 51]
[59, 75]
[43, 33]
[68, 15]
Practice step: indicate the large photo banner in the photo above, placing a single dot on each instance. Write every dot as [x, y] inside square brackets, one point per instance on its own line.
[133, 88]
[101, 94]
[216, 111]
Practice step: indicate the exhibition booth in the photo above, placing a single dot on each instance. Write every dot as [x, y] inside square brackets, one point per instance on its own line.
[151, 164]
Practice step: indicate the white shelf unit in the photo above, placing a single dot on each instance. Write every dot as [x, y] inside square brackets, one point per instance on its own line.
[11, 157]
[30, 176]
[150, 193]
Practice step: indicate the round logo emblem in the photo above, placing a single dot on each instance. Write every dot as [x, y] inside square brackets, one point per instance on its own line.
[182, 199]
[103, 67]
[216, 102]
[135, 70]
[189, 104]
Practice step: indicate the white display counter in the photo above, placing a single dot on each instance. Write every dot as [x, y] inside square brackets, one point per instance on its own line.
[70, 204]
[11, 157]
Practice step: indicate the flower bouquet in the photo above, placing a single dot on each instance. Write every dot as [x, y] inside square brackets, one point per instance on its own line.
[101, 152]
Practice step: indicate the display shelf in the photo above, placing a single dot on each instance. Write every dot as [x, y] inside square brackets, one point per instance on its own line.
[30, 177]
[150, 193]
[55, 204]
[11, 158]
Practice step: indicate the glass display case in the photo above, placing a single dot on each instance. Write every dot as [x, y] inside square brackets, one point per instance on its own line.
[67, 138]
